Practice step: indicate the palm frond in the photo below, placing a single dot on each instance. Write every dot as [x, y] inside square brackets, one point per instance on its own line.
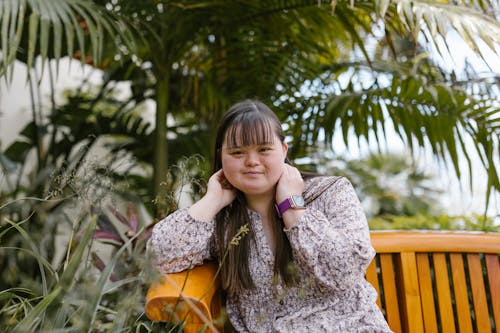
[52, 28]
[423, 113]
[437, 18]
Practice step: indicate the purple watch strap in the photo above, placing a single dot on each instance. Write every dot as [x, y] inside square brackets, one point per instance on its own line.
[283, 206]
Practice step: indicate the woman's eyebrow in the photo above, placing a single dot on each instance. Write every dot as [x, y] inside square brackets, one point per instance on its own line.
[232, 147]
[266, 143]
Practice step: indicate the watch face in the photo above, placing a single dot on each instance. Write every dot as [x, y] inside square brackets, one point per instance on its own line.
[298, 201]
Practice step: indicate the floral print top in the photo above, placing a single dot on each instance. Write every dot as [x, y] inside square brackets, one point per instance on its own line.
[331, 250]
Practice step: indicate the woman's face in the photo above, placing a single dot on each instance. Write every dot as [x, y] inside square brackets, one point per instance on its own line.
[254, 169]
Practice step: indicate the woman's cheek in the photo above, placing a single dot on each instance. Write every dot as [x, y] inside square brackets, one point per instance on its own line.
[230, 168]
[277, 170]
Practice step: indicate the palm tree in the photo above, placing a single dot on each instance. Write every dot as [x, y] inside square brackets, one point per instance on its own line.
[204, 55]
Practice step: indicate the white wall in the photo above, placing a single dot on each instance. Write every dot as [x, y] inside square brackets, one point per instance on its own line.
[15, 104]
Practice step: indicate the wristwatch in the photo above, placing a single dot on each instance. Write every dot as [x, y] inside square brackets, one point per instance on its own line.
[294, 202]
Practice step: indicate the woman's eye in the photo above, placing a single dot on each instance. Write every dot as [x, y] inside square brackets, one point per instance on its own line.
[236, 152]
[265, 149]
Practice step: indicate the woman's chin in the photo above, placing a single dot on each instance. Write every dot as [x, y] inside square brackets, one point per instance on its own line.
[253, 191]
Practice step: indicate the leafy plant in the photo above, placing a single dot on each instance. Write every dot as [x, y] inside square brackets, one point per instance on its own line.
[96, 278]
[52, 172]
[76, 296]
[475, 222]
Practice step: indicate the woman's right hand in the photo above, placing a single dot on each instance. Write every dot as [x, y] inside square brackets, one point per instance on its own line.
[220, 193]
[220, 190]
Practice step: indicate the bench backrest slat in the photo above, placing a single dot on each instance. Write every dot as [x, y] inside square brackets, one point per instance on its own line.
[426, 293]
[461, 292]
[438, 281]
[443, 292]
[493, 268]
[371, 275]
[478, 293]
[391, 304]
[410, 292]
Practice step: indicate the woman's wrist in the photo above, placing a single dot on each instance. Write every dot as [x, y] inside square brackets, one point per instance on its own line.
[205, 209]
[292, 216]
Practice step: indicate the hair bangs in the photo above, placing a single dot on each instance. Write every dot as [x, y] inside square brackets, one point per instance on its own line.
[250, 129]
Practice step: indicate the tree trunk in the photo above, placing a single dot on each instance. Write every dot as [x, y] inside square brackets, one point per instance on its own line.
[161, 150]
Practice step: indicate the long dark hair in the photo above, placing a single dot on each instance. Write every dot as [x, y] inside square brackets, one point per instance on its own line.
[247, 123]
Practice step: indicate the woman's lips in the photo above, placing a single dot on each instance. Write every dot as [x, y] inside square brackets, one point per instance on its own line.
[253, 173]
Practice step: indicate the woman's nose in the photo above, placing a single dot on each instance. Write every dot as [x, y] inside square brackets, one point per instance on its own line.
[251, 159]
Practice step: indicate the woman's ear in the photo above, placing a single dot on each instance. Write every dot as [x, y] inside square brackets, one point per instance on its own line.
[285, 150]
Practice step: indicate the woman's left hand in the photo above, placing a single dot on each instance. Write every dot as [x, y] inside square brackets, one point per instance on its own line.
[290, 183]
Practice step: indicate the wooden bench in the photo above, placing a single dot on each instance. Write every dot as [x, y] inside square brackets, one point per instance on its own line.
[426, 281]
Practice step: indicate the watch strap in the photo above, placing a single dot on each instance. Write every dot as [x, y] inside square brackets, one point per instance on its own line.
[285, 205]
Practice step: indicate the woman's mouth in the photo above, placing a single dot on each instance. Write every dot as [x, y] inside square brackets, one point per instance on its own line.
[252, 172]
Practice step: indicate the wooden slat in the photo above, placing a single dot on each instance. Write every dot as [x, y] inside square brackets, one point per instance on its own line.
[372, 277]
[478, 293]
[493, 269]
[435, 241]
[390, 293]
[411, 293]
[461, 292]
[443, 292]
[426, 293]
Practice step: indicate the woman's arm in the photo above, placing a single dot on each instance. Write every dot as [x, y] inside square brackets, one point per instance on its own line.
[179, 241]
[186, 237]
[332, 238]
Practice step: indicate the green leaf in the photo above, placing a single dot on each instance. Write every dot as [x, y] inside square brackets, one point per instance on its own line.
[31, 319]
[99, 291]
[18, 150]
[34, 19]
[68, 276]
[5, 20]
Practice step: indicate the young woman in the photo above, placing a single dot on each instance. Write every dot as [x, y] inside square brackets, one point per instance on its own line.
[294, 247]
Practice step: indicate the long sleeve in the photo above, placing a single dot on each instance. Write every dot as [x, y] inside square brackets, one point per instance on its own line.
[332, 239]
[179, 242]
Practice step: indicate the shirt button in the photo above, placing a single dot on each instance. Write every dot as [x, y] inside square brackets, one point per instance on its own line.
[281, 302]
